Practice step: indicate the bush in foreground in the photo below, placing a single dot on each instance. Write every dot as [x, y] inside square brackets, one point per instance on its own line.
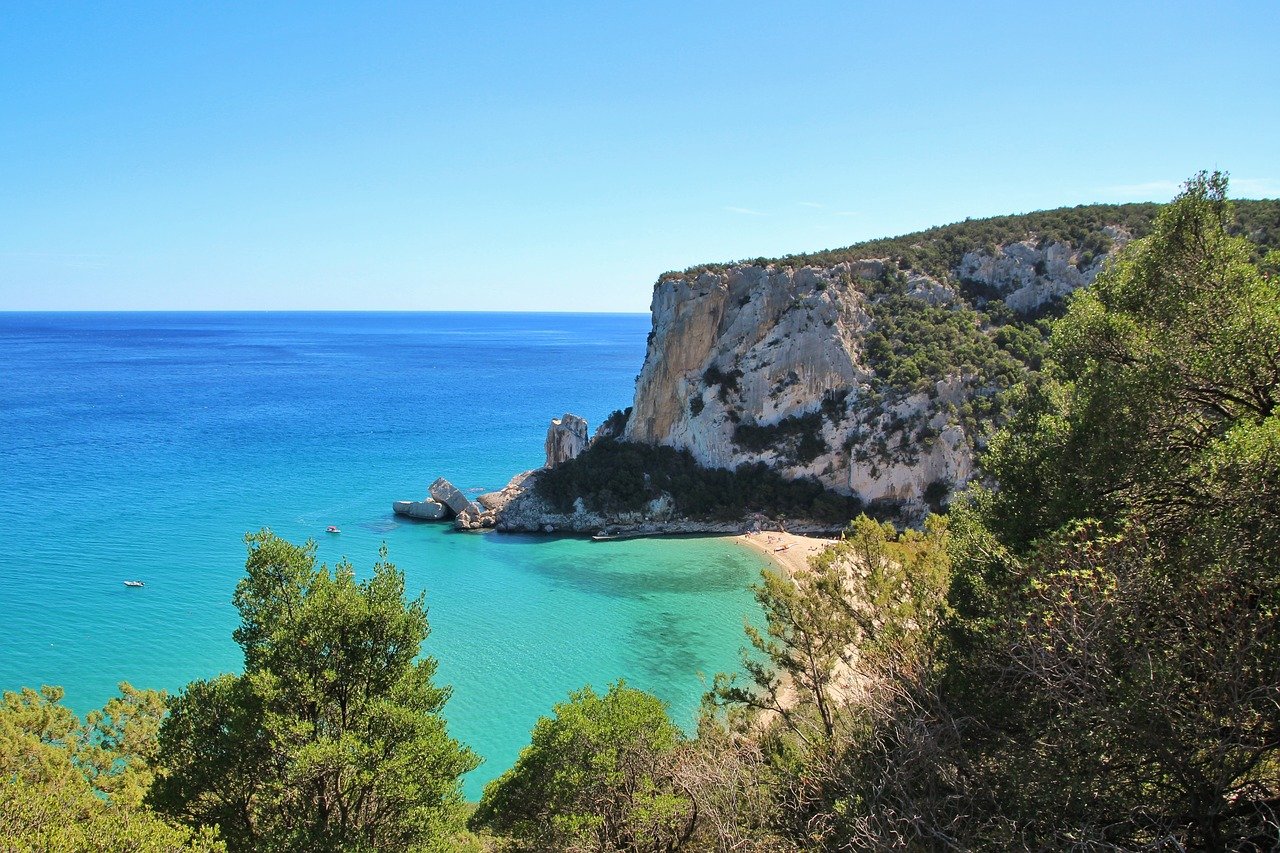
[332, 738]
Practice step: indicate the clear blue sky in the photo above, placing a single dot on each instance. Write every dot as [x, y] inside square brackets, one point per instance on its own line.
[559, 156]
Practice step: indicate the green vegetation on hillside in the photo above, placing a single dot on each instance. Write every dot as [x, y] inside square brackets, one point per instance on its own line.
[797, 438]
[1085, 657]
[598, 775]
[914, 344]
[615, 476]
[1091, 660]
[67, 785]
[937, 251]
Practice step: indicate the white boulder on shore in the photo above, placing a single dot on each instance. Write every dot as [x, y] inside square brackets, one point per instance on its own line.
[446, 501]
[427, 510]
[451, 496]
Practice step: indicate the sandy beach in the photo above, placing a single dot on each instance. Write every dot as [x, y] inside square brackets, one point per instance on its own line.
[789, 551]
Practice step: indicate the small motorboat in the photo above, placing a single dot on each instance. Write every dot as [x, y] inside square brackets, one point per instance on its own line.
[332, 529]
[134, 583]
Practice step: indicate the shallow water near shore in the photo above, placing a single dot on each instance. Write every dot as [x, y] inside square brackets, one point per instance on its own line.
[145, 445]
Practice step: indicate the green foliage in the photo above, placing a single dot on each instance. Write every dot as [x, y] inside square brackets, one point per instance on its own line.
[1114, 650]
[937, 251]
[869, 596]
[596, 776]
[616, 424]
[616, 476]
[1173, 347]
[68, 786]
[796, 438]
[1093, 663]
[725, 382]
[914, 344]
[332, 737]
[862, 616]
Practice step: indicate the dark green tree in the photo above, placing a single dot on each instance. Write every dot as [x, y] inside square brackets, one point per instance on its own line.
[598, 775]
[1116, 643]
[332, 738]
[862, 603]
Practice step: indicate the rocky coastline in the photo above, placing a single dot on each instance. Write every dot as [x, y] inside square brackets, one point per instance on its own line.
[782, 366]
[519, 508]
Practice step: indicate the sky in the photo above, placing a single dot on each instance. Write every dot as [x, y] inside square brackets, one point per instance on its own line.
[560, 156]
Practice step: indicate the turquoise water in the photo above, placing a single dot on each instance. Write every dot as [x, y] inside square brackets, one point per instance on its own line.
[145, 446]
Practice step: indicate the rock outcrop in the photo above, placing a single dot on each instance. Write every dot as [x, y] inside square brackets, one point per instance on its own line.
[447, 501]
[488, 507]
[444, 492]
[427, 510]
[1027, 275]
[566, 438]
[874, 370]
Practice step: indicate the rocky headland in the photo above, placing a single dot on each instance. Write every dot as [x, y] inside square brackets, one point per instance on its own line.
[873, 373]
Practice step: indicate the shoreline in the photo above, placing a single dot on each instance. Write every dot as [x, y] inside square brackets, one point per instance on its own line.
[789, 552]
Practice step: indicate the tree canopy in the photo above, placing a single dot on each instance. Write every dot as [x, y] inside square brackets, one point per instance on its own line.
[67, 785]
[1116, 639]
[332, 737]
[597, 775]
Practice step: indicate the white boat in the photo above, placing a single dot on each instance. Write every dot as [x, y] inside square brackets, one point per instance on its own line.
[134, 583]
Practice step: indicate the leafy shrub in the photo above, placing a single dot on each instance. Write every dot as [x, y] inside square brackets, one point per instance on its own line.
[914, 343]
[616, 424]
[798, 437]
[714, 377]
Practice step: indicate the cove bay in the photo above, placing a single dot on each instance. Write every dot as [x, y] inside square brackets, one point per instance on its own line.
[145, 445]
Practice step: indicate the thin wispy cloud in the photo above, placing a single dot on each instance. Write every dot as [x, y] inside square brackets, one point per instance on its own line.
[813, 204]
[1255, 187]
[744, 211]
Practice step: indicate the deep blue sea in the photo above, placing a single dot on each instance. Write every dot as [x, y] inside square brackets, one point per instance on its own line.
[144, 446]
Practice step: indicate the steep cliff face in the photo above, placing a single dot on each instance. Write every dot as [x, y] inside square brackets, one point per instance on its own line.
[811, 369]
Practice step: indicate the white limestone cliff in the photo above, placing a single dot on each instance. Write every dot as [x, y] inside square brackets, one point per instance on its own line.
[784, 349]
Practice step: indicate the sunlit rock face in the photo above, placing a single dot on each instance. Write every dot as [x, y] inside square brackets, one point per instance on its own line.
[783, 349]
[566, 438]
[1027, 275]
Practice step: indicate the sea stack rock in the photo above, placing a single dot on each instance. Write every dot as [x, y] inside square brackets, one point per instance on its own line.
[566, 438]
